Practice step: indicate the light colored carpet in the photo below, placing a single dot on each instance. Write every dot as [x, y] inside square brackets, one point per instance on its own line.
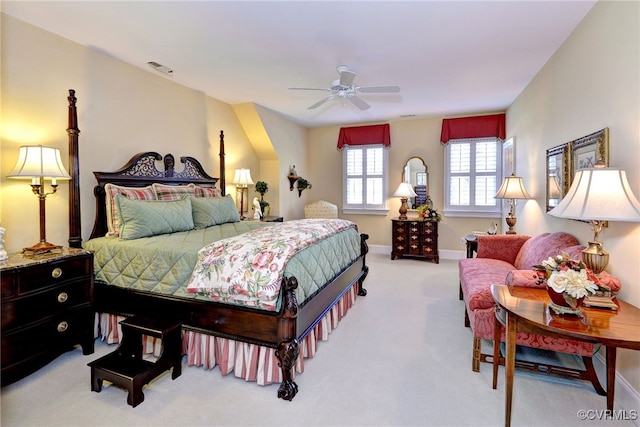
[402, 356]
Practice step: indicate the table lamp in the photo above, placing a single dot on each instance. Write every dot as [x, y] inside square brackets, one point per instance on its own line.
[404, 191]
[512, 188]
[597, 195]
[242, 180]
[40, 163]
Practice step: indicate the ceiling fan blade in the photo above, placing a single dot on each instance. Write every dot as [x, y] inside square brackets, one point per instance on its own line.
[309, 88]
[358, 102]
[346, 78]
[322, 101]
[378, 89]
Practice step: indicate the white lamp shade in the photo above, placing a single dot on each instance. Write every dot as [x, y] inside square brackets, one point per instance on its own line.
[404, 190]
[512, 188]
[36, 161]
[599, 194]
[242, 178]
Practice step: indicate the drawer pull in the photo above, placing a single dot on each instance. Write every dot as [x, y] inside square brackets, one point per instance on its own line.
[62, 326]
[56, 273]
[63, 297]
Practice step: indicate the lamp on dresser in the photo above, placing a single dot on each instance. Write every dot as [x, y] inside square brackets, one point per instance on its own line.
[512, 188]
[404, 191]
[242, 180]
[597, 195]
[40, 164]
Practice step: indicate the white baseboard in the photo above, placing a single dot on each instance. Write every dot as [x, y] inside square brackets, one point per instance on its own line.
[444, 253]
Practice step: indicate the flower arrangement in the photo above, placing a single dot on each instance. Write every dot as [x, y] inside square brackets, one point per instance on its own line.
[426, 212]
[568, 276]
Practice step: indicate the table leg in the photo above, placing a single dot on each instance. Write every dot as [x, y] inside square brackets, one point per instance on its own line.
[497, 328]
[611, 375]
[510, 364]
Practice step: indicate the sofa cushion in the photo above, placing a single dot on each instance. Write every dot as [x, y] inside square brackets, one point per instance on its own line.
[501, 246]
[476, 276]
[541, 247]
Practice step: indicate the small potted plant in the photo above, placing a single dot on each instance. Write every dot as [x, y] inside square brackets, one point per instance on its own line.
[302, 185]
[262, 187]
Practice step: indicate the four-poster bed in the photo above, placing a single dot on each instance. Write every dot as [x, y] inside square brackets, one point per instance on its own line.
[304, 310]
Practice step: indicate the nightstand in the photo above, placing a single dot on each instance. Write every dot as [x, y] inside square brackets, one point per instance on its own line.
[272, 219]
[415, 239]
[46, 309]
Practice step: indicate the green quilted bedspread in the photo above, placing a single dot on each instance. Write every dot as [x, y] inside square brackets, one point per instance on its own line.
[163, 264]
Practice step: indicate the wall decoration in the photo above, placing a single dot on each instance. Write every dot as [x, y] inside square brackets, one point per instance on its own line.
[586, 151]
[558, 174]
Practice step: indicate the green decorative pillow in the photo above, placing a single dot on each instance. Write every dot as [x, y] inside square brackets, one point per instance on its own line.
[208, 211]
[144, 218]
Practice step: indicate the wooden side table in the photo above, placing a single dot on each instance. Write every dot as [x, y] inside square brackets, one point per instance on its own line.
[526, 309]
[46, 309]
[415, 239]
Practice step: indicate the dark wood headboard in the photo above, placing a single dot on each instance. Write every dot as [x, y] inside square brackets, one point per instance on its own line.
[140, 171]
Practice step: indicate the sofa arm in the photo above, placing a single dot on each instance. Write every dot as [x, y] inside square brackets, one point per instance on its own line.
[523, 278]
[504, 247]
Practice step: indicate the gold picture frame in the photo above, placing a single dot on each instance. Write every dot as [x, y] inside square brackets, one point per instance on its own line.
[558, 170]
[588, 150]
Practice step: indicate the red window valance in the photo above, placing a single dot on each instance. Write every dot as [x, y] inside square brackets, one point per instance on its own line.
[474, 127]
[364, 135]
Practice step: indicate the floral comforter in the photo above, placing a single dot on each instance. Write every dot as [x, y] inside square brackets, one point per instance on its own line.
[247, 269]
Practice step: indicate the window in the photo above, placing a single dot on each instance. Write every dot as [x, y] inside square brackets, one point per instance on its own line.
[365, 179]
[472, 177]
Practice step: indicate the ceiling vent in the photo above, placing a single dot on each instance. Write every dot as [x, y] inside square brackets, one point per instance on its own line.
[159, 67]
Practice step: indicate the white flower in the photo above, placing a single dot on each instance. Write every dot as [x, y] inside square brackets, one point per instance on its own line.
[550, 264]
[574, 283]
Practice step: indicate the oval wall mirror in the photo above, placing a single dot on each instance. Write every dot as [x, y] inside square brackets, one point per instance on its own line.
[416, 173]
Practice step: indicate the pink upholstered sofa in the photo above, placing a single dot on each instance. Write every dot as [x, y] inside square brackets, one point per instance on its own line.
[509, 259]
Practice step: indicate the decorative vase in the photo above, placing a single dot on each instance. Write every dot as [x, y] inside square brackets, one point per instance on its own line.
[562, 303]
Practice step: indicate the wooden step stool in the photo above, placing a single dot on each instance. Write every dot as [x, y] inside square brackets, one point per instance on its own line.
[126, 368]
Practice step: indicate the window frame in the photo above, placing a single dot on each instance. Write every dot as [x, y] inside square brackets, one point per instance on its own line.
[364, 208]
[472, 210]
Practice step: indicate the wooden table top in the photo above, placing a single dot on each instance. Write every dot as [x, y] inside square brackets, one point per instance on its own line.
[619, 328]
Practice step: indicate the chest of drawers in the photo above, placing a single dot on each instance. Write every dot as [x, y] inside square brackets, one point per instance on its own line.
[415, 239]
[46, 309]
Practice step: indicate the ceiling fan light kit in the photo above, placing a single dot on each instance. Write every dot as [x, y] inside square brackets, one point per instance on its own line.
[345, 89]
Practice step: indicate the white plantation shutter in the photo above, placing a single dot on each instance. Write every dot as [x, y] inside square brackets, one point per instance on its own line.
[365, 172]
[472, 176]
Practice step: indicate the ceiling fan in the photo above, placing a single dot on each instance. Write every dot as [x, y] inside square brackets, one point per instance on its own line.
[345, 89]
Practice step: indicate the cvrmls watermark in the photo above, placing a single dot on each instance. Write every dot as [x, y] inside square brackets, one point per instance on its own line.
[605, 414]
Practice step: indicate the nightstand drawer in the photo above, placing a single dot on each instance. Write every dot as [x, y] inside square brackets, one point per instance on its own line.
[52, 273]
[58, 332]
[22, 311]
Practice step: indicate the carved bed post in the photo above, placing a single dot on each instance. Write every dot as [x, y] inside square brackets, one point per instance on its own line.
[75, 233]
[288, 349]
[222, 179]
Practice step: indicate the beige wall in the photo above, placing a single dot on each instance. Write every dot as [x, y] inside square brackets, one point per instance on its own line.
[590, 83]
[122, 110]
[409, 138]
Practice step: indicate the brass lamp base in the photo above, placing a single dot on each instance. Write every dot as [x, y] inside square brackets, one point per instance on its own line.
[42, 248]
[595, 257]
[403, 208]
[511, 222]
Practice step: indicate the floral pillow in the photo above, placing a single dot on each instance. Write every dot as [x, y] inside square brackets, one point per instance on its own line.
[132, 193]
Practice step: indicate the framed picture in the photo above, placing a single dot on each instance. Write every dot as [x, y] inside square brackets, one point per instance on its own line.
[558, 174]
[588, 150]
[508, 157]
